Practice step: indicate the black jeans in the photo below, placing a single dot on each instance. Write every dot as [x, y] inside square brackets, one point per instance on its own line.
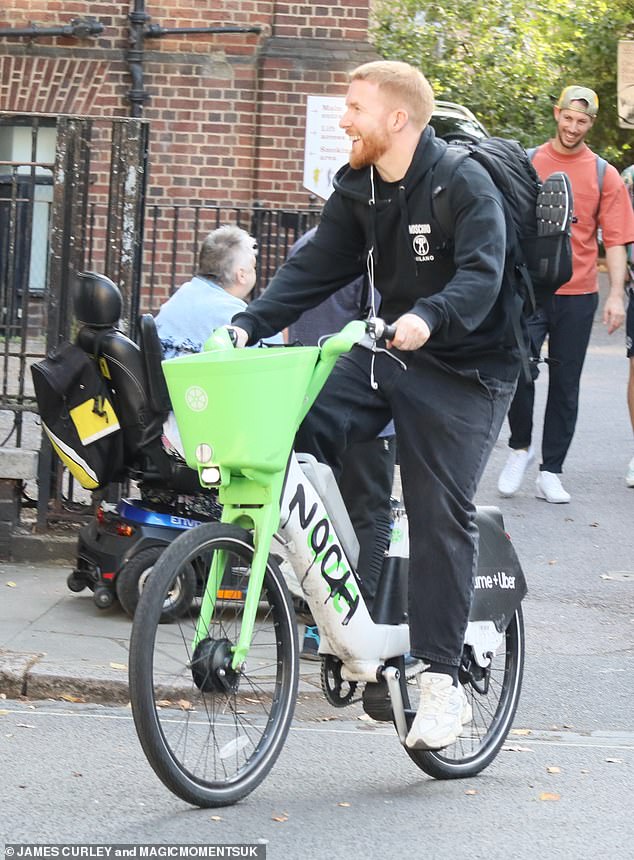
[567, 321]
[366, 481]
[446, 425]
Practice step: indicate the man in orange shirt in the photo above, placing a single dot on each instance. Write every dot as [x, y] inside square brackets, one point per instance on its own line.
[600, 201]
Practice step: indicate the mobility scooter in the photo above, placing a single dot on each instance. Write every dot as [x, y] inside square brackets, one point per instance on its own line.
[118, 548]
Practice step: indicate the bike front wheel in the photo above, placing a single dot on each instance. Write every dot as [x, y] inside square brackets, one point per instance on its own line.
[212, 733]
[493, 694]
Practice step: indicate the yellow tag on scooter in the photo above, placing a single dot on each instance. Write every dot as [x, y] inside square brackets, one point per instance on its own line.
[94, 419]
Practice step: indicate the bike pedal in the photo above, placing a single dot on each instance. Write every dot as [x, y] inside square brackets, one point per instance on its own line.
[414, 669]
[376, 702]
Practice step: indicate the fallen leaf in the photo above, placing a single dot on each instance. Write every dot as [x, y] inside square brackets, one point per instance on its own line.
[471, 791]
[280, 817]
[615, 760]
[594, 525]
[549, 795]
[76, 773]
[3, 695]
[118, 666]
[24, 726]
[163, 703]
[553, 770]
[11, 584]
[3, 713]
[68, 698]
[216, 818]
[553, 561]
[511, 748]
[185, 705]
[521, 732]
[343, 803]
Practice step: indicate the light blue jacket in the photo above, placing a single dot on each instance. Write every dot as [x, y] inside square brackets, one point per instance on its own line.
[196, 309]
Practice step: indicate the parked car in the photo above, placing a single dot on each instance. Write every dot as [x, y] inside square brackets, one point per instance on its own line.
[452, 121]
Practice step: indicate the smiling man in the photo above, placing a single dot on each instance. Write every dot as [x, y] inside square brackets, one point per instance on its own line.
[600, 201]
[449, 372]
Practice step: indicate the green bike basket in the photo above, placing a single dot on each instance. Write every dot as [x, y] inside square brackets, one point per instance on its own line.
[239, 408]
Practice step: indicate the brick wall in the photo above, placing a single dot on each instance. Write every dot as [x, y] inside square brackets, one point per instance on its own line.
[226, 111]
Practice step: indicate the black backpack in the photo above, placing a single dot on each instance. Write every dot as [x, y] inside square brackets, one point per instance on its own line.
[538, 220]
[77, 414]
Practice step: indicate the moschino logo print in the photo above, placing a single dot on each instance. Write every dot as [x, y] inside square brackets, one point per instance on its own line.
[420, 242]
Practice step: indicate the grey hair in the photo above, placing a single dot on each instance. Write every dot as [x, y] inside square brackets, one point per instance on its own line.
[223, 252]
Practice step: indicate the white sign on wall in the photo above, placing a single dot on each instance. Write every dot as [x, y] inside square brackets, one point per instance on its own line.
[625, 84]
[327, 146]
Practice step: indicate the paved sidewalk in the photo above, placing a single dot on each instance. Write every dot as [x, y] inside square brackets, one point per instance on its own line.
[56, 644]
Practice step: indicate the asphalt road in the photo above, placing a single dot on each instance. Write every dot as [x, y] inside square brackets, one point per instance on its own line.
[76, 774]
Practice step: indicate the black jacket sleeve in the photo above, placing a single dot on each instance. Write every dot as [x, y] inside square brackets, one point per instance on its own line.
[479, 252]
[330, 260]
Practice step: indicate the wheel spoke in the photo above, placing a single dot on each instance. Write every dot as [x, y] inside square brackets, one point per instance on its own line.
[210, 732]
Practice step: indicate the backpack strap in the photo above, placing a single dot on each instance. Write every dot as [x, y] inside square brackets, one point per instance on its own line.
[601, 168]
[441, 177]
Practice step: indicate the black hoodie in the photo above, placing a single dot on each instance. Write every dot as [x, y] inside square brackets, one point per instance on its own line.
[459, 293]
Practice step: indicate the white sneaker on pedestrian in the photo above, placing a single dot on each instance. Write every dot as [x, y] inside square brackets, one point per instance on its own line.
[442, 711]
[548, 487]
[629, 478]
[512, 474]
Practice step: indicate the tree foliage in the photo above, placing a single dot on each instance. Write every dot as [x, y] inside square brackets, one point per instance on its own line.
[508, 60]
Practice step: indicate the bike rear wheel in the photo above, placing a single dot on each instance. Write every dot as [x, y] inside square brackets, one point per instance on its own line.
[212, 733]
[493, 695]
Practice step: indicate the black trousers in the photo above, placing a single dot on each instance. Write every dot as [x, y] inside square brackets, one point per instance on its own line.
[446, 425]
[567, 322]
[366, 481]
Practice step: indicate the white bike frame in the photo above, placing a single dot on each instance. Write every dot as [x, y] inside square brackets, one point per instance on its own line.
[331, 586]
[331, 589]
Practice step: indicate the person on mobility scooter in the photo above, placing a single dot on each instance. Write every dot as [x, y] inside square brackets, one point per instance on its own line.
[117, 550]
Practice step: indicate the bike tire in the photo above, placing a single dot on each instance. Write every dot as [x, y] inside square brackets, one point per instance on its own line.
[493, 712]
[212, 747]
[133, 576]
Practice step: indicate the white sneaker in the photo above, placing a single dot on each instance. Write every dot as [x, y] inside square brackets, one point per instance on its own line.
[512, 474]
[442, 711]
[629, 478]
[548, 487]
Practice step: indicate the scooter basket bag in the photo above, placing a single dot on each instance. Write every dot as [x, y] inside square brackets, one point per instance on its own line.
[240, 408]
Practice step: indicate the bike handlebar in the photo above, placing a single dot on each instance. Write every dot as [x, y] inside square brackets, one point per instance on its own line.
[378, 328]
[226, 337]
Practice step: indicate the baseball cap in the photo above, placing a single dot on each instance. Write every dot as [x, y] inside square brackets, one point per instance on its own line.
[575, 93]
